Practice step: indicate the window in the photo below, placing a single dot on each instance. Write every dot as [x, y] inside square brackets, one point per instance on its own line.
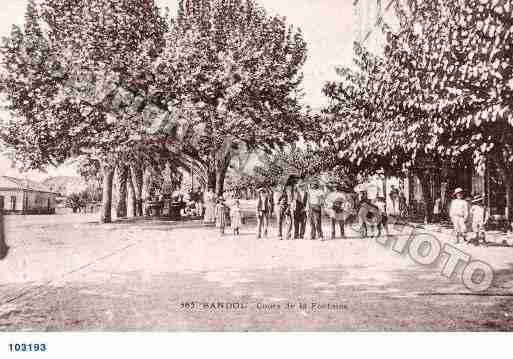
[2, 203]
[13, 203]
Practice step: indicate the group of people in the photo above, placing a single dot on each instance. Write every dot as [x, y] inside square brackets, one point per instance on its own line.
[217, 211]
[468, 215]
[294, 208]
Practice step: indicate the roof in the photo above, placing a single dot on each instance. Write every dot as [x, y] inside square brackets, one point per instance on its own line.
[22, 184]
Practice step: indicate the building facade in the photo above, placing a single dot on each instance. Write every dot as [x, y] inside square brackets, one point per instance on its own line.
[21, 196]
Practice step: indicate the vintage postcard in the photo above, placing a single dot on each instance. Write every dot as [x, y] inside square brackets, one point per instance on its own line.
[255, 166]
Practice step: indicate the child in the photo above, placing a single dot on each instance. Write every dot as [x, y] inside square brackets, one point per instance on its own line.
[459, 213]
[478, 219]
[220, 215]
[236, 216]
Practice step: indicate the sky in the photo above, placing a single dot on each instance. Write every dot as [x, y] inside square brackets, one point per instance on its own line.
[327, 26]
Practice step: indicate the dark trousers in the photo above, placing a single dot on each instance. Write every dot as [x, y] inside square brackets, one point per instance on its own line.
[263, 222]
[299, 224]
[341, 224]
[283, 214]
[315, 222]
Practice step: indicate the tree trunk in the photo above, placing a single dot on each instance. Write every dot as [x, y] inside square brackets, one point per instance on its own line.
[211, 180]
[220, 175]
[108, 177]
[147, 183]
[507, 177]
[121, 209]
[425, 185]
[132, 200]
[137, 180]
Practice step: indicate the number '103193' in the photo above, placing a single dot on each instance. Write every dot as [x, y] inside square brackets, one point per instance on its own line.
[27, 347]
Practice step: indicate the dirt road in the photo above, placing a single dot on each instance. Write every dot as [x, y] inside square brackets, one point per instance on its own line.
[70, 273]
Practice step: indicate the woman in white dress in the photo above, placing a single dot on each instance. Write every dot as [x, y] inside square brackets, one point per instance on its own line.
[210, 205]
[236, 218]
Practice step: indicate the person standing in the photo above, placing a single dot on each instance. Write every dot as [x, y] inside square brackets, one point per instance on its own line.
[282, 213]
[263, 210]
[220, 216]
[298, 212]
[315, 204]
[403, 206]
[335, 207]
[479, 217]
[277, 194]
[210, 205]
[459, 213]
[437, 210]
[394, 197]
[200, 204]
[236, 218]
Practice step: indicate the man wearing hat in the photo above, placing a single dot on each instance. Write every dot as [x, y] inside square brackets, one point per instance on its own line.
[315, 205]
[263, 211]
[459, 213]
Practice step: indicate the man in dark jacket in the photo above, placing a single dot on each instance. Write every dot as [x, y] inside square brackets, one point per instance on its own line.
[263, 211]
[298, 211]
[283, 213]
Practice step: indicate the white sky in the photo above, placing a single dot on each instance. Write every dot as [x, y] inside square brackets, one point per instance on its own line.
[327, 26]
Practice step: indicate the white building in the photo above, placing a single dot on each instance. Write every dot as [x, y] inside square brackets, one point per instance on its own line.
[25, 197]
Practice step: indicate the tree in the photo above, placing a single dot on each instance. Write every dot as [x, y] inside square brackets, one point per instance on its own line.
[456, 55]
[238, 77]
[78, 79]
[441, 94]
[306, 163]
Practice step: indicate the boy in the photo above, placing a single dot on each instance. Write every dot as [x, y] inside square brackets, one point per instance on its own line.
[479, 217]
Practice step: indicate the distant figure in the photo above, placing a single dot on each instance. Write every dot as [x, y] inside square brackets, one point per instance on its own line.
[403, 205]
[459, 213]
[282, 213]
[298, 211]
[236, 218]
[394, 196]
[478, 217]
[263, 211]
[4, 249]
[200, 207]
[210, 205]
[337, 209]
[220, 215]
[437, 210]
[315, 204]
[277, 194]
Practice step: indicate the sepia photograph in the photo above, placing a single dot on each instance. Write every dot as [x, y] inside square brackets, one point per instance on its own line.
[255, 166]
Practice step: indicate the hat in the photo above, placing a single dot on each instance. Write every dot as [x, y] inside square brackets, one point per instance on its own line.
[458, 190]
[261, 189]
[477, 199]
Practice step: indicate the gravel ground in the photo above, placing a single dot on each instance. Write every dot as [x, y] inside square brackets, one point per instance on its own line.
[70, 273]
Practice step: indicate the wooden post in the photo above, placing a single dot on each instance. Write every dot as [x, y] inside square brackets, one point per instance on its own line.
[3, 245]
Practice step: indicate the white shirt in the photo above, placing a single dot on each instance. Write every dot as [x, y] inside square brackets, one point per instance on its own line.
[459, 208]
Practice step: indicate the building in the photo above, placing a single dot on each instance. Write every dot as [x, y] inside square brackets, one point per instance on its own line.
[22, 196]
